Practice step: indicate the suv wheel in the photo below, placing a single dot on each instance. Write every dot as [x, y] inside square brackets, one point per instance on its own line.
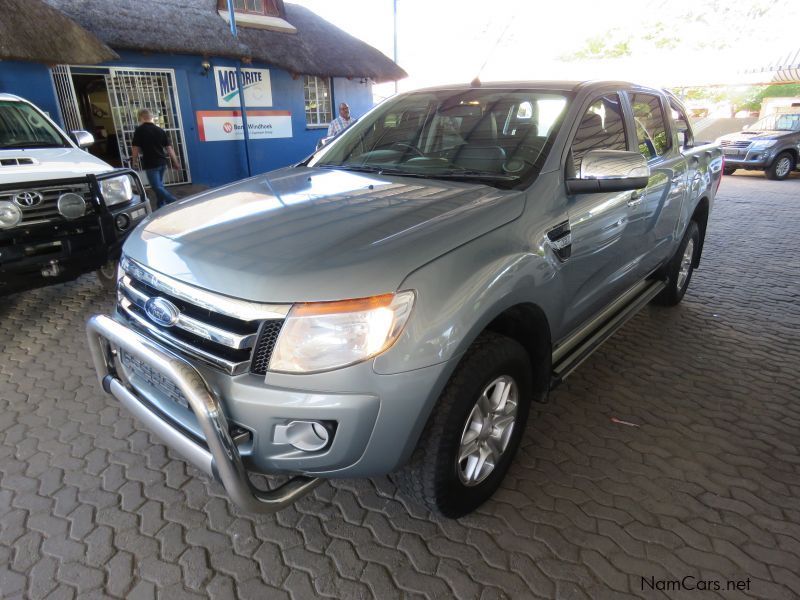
[474, 431]
[107, 275]
[680, 268]
[781, 167]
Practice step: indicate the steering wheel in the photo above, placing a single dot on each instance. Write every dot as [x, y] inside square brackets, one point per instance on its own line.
[416, 150]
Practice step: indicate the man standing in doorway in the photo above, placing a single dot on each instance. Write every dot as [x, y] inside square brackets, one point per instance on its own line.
[151, 148]
[342, 122]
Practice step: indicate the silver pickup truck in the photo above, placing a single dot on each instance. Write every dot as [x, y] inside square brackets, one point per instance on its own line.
[394, 303]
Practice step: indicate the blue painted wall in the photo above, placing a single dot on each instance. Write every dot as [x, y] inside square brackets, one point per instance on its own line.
[32, 81]
[211, 163]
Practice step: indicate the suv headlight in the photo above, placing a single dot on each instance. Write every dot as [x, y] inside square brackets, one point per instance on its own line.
[116, 190]
[10, 214]
[761, 144]
[320, 336]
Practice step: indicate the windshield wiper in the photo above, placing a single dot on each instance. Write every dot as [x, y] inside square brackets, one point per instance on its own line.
[374, 169]
[467, 174]
[31, 144]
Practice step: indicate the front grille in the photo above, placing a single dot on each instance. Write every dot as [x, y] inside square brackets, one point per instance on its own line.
[47, 210]
[235, 344]
[734, 143]
[266, 343]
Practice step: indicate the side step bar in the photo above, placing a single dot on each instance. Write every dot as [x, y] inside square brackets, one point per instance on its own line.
[566, 364]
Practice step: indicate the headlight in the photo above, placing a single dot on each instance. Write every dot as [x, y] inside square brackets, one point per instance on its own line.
[761, 144]
[116, 190]
[321, 336]
[10, 214]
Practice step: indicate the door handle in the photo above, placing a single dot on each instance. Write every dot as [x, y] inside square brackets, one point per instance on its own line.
[636, 198]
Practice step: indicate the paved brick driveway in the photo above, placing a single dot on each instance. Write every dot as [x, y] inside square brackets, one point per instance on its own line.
[706, 485]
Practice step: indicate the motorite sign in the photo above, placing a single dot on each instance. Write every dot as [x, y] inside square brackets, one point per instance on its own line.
[226, 125]
[255, 83]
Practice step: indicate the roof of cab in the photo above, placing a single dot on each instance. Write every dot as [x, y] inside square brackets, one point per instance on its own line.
[555, 85]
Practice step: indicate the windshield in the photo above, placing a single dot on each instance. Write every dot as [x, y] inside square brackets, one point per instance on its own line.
[778, 123]
[499, 137]
[22, 126]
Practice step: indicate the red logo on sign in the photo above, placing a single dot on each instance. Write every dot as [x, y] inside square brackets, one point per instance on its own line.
[228, 127]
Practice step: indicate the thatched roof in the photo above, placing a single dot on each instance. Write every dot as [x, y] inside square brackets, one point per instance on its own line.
[195, 27]
[30, 30]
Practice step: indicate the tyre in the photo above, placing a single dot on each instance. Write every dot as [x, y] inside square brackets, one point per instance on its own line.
[474, 431]
[729, 170]
[680, 268]
[107, 275]
[781, 167]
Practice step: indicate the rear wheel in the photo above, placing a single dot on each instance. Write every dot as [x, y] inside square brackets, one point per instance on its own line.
[680, 268]
[781, 167]
[474, 431]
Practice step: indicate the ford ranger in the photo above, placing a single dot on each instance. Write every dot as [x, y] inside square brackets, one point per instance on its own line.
[394, 303]
[63, 212]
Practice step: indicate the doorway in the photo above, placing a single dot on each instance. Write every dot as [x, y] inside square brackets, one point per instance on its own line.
[94, 107]
[105, 101]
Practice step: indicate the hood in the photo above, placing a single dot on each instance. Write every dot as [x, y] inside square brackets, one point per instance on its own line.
[300, 234]
[48, 163]
[751, 135]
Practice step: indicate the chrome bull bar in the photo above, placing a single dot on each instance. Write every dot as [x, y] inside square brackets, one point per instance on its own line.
[221, 459]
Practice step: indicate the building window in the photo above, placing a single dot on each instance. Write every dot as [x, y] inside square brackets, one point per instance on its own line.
[317, 92]
[269, 8]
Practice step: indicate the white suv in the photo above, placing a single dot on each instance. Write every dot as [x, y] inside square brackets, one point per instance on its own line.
[63, 212]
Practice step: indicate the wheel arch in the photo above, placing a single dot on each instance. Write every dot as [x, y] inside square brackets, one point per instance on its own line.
[526, 323]
[700, 216]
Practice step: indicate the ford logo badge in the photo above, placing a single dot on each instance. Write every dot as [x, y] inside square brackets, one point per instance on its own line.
[162, 311]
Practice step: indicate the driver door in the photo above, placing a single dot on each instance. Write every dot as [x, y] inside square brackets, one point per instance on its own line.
[600, 266]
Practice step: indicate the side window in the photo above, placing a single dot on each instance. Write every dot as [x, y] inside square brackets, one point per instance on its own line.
[651, 127]
[685, 138]
[602, 128]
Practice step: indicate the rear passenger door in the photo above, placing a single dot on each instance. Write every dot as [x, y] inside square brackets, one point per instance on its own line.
[653, 216]
[599, 267]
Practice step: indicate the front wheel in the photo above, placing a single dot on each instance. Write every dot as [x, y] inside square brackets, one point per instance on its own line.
[107, 275]
[781, 167]
[680, 268]
[474, 431]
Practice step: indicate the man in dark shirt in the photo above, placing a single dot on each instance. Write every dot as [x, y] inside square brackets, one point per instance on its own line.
[152, 148]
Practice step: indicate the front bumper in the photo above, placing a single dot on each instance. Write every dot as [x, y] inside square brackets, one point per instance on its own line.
[58, 250]
[748, 159]
[218, 456]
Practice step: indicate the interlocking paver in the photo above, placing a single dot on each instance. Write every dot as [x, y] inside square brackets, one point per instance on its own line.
[91, 505]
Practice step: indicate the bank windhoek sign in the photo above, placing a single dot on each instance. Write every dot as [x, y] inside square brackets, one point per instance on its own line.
[225, 125]
[255, 83]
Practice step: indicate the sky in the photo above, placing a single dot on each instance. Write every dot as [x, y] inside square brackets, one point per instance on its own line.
[445, 41]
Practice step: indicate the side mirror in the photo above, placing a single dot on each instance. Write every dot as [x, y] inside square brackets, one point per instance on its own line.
[610, 171]
[84, 139]
[324, 141]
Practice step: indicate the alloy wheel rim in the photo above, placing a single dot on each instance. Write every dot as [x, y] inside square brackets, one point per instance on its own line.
[488, 430]
[686, 264]
[782, 168]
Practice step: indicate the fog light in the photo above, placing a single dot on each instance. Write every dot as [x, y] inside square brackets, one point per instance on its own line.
[71, 206]
[122, 221]
[10, 215]
[308, 436]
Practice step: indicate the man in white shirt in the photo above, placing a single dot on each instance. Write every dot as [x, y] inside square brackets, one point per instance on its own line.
[342, 122]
